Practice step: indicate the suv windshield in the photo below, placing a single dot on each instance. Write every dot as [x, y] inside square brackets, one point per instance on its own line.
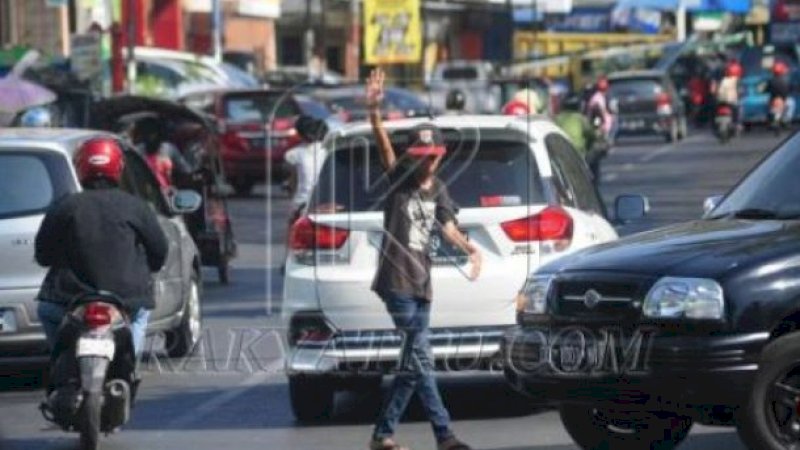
[31, 182]
[252, 107]
[771, 187]
[491, 171]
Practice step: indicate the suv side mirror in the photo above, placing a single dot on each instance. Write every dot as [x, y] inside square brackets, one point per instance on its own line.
[630, 207]
[710, 203]
[185, 201]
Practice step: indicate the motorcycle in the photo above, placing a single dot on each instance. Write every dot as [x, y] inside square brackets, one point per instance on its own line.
[92, 376]
[777, 110]
[724, 128]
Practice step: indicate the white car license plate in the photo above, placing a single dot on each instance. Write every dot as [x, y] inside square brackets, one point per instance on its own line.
[8, 321]
[95, 347]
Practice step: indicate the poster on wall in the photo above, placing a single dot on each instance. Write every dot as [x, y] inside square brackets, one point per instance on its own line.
[392, 32]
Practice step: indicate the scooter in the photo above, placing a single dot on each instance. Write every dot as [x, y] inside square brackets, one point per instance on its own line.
[777, 110]
[724, 128]
[92, 376]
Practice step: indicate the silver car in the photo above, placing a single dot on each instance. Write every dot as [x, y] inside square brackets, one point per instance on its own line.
[35, 171]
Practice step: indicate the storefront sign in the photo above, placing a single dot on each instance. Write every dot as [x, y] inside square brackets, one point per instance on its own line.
[269, 9]
[86, 58]
[392, 32]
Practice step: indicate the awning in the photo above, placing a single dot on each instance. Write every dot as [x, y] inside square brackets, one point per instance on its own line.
[733, 6]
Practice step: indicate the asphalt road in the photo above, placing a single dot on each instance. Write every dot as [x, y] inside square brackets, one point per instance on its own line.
[232, 393]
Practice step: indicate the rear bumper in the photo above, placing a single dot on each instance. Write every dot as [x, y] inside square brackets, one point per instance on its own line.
[27, 343]
[685, 370]
[644, 124]
[461, 349]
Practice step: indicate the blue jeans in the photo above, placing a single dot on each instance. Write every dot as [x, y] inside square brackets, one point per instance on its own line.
[415, 373]
[51, 314]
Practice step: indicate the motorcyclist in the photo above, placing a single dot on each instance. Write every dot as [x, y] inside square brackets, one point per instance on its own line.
[101, 239]
[727, 90]
[581, 133]
[779, 87]
[455, 101]
[598, 108]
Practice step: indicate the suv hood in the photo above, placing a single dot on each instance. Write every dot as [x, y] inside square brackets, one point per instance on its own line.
[706, 248]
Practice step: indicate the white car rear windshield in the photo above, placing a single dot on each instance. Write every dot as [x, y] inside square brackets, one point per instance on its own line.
[490, 172]
[31, 182]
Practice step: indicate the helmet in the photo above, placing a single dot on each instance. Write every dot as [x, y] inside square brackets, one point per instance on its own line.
[38, 117]
[455, 100]
[602, 84]
[516, 108]
[99, 158]
[780, 68]
[733, 69]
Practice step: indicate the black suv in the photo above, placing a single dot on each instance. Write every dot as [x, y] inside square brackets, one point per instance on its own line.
[698, 322]
[647, 103]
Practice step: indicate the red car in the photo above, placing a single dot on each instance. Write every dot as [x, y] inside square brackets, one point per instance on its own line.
[257, 129]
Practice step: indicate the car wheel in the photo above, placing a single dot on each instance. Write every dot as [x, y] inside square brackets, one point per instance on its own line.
[243, 188]
[312, 398]
[595, 428]
[770, 419]
[182, 340]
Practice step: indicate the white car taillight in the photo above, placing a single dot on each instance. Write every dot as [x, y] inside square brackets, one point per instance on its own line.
[307, 237]
[553, 224]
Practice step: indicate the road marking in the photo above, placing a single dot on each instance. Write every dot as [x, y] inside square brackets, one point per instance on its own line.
[610, 177]
[212, 404]
[664, 149]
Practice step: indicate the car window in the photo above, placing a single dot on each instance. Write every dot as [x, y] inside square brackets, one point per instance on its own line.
[499, 173]
[638, 88]
[249, 107]
[140, 181]
[460, 73]
[31, 182]
[571, 173]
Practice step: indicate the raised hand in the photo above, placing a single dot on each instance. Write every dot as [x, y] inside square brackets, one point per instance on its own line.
[476, 260]
[375, 88]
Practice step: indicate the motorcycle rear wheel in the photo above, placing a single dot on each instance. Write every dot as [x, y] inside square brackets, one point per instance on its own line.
[90, 420]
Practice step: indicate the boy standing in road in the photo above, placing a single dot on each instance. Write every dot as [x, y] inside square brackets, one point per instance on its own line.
[417, 200]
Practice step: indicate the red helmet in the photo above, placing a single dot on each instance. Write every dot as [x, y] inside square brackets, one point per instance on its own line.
[780, 68]
[602, 84]
[733, 69]
[99, 158]
[516, 108]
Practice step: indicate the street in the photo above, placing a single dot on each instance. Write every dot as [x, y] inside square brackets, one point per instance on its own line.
[232, 393]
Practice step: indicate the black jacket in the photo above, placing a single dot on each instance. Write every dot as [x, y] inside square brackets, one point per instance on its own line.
[102, 239]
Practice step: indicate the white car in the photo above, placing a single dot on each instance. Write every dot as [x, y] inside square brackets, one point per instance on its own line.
[525, 197]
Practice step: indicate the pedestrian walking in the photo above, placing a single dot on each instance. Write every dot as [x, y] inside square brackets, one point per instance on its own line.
[417, 202]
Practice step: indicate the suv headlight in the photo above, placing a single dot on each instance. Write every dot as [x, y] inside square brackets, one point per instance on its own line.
[533, 297]
[692, 298]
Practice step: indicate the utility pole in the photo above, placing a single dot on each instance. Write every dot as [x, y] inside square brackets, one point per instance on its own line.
[131, 31]
[216, 28]
[354, 42]
[680, 21]
[309, 36]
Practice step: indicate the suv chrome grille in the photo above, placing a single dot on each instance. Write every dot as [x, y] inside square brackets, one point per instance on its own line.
[618, 298]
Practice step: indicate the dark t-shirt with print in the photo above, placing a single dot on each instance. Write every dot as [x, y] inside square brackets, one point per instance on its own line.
[410, 215]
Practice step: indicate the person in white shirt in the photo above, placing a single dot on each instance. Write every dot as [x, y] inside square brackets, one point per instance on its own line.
[305, 161]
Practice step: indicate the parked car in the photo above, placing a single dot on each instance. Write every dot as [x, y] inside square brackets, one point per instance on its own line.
[257, 128]
[35, 171]
[195, 137]
[647, 103]
[474, 78]
[350, 104]
[695, 322]
[525, 197]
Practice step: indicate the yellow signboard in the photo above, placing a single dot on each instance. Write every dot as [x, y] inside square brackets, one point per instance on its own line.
[392, 32]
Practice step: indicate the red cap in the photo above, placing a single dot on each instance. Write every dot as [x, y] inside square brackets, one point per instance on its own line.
[427, 141]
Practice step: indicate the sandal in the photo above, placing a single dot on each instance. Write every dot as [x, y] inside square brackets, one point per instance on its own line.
[385, 444]
[453, 444]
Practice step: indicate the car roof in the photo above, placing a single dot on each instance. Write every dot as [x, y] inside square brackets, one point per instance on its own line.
[629, 74]
[534, 125]
[63, 140]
